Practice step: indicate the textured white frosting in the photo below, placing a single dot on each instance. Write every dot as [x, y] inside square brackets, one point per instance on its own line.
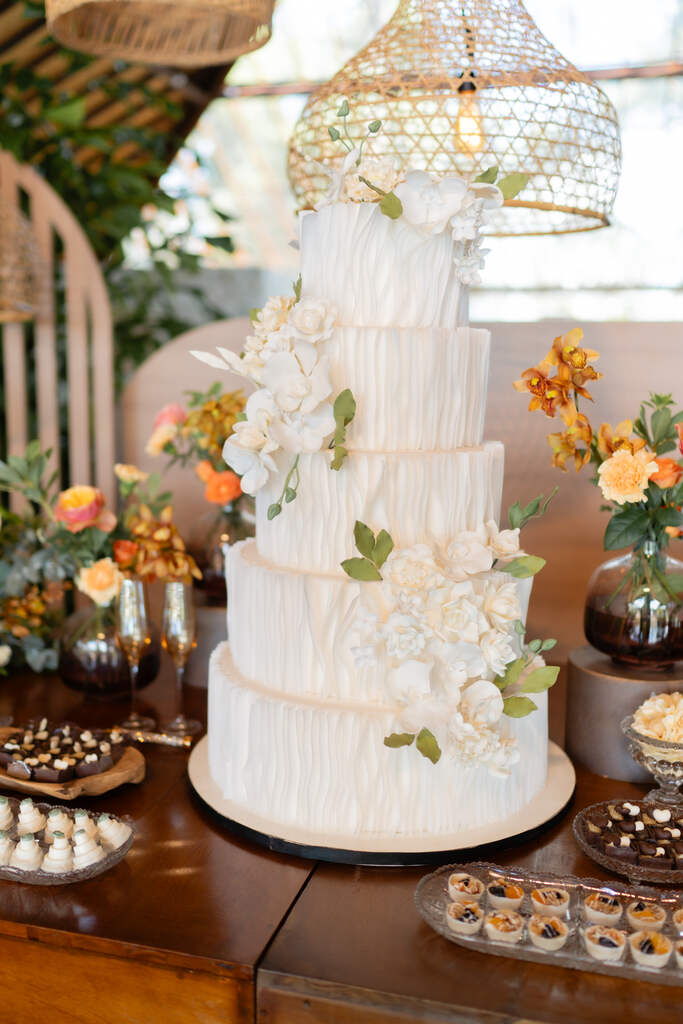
[417, 496]
[291, 630]
[324, 767]
[377, 271]
[416, 389]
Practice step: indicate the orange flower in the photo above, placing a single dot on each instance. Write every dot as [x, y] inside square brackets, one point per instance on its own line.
[679, 431]
[620, 439]
[551, 394]
[81, 507]
[101, 581]
[674, 531]
[124, 551]
[567, 352]
[624, 476]
[171, 415]
[668, 474]
[204, 471]
[564, 444]
[222, 488]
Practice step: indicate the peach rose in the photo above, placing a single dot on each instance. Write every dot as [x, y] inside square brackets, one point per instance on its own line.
[162, 435]
[624, 476]
[100, 581]
[668, 474]
[129, 474]
[222, 488]
[125, 551]
[204, 471]
[171, 415]
[80, 507]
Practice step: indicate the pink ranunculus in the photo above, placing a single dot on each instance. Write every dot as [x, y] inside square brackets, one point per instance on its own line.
[171, 415]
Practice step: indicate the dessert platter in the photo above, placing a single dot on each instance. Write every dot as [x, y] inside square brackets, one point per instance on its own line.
[641, 840]
[630, 931]
[42, 844]
[378, 616]
[63, 760]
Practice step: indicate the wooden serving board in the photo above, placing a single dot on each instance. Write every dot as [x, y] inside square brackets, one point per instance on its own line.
[131, 768]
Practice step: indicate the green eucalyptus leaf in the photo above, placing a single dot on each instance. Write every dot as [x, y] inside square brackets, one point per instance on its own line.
[512, 184]
[427, 745]
[399, 739]
[365, 539]
[518, 707]
[384, 545]
[523, 567]
[361, 569]
[488, 176]
[541, 679]
[391, 206]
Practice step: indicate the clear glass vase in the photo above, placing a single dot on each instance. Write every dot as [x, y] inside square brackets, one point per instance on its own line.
[90, 659]
[634, 608]
[216, 529]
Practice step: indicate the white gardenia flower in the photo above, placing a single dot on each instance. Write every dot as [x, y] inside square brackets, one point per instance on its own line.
[469, 554]
[291, 388]
[412, 569]
[273, 315]
[304, 433]
[483, 702]
[379, 170]
[311, 320]
[427, 204]
[5, 655]
[503, 543]
[403, 636]
[501, 603]
[410, 681]
[249, 449]
[496, 646]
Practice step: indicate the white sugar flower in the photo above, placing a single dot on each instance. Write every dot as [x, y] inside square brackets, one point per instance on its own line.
[379, 170]
[273, 315]
[483, 702]
[463, 661]
[311, 320]
[462, 617]
[496, 646]
[404, 636]
[249, 449]
[304, 432]
[337, 176]
[469, 259]
[409, 681]
[291, 388]
[468, 554]
[412, 569]
[480, 198]
[503, 543]
[427, 204]
[501, 603]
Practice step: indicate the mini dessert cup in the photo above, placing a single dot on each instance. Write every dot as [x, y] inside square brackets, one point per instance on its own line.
[679, 953]
[648, 916]
[505, 895]
[86, 850]
[650, 949]
[464, 916]
[26, 855]
[548, 933]
[59, 857]
[678, 920]
[459, 884]
[504, 926]
[663, 759]
[601, 908]
[57, 821]
[30, 819]
[549, 901]
[604, 943]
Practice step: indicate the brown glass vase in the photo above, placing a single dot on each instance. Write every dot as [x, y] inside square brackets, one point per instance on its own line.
[217, 529]
[634, 608]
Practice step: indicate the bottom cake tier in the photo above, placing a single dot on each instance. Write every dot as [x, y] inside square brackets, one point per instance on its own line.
[323, 766]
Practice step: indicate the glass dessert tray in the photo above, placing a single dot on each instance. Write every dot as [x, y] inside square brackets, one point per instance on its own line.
[115, 847]
[581, 944]
[379, 851]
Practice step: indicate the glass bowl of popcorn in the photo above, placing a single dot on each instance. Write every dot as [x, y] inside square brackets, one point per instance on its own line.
[655, 738]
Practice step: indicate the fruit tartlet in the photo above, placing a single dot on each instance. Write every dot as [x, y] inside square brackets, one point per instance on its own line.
[461, 884]
[601, 908]
[504, 925]
[549, 902]
[651, 949]
[648, 916]
[548, 933]
[604, 943]
[505, 895]
[464, 916]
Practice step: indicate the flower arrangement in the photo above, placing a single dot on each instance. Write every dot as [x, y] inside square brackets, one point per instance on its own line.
[71, 538]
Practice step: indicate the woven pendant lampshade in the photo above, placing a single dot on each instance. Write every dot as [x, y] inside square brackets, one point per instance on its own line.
[19, 283]
[461, 85]
[179, 33]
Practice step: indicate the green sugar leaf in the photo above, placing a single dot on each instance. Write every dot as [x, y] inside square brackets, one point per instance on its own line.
[253, 314]
[427, 745]
[374, 127]
[361, 569]
[290, 494]
[540, 680]
[534, 646]
[334, 134]
[519, 627]
[518, 707]
[399, 739]
[524, 567]
[391, 206]
[240, 417]
[340, 453]
[384, 545]
[297, 288]
[513, 184]
[488, 176]
[344, 109]
[365, 539]
[548, 645]
[274, 510]
[344, 408]
[513, 671]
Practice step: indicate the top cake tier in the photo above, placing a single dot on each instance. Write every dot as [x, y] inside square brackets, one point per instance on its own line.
[379, 272]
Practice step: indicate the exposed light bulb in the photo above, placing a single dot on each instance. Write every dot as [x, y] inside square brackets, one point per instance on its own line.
[469, 131]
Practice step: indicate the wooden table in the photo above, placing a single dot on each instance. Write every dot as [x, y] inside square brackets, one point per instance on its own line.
[197, 927]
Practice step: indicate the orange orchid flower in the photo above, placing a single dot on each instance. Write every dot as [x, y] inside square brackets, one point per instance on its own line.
[564, 444]
[567, 352]
[551, 394]
[611, 441]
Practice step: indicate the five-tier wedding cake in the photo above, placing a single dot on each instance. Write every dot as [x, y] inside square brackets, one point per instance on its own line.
[373, 685]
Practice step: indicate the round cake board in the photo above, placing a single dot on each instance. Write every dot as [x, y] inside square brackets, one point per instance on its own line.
[394, 851]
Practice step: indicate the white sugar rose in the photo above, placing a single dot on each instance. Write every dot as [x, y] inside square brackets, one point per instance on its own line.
[304, 432]
[273, 315]
[249, 449]
[427, 204]
[311, 320]
[497, 649]
[403, 636]
[463, 661]
[483, 701]
[409, 681]
[501, 603]
[469, 554]
[462, 618]
[412, 569]
[503, 543]
[379, 170]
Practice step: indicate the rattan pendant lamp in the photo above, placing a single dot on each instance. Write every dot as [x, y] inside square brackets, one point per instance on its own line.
[461, 85]
[177, 33]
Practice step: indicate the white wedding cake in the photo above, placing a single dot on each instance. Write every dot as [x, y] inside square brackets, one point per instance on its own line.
[378, 698]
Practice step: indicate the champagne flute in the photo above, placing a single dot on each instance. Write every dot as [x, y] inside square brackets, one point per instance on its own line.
[132, 633]
[179, 636]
